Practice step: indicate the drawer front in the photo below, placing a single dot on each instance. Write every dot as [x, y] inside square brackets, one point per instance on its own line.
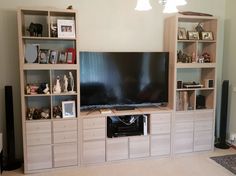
[65, 155]
[183, 142]
[162, 128]
[38, 139]
[203, 140]
[203, 125]
[139, 146]
[204, 115]
[38, 127]
[182, 117]
[94, 152]
[160, 145]
[94, 123]
[62, 137]
[94, 134]
[184, 127]
[65, 125]
[39, 157]
[160, 118]
[117, 149]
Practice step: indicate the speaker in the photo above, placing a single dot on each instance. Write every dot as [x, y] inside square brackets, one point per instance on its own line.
[201, 102]
[223, 116]
[11, 162]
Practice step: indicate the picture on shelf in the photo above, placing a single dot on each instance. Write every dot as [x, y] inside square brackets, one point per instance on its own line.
[206, 36]
[68, 109]
[66, 28]
[31, 53]
[193, 35]
[70, 56]
[62, 57]
[53, 56]
[182, 35]
[44, 56]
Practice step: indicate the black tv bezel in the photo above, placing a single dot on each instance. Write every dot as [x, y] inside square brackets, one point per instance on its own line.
[131, 105]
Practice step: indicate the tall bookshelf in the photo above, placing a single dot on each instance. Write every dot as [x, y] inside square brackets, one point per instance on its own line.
[193, 62]
[48, 58]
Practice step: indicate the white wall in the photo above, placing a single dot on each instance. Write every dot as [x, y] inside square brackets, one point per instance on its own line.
[229, 65]
[107, 25]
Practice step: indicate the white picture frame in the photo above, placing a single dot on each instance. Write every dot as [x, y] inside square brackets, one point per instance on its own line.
[66, 28]
[68, 109]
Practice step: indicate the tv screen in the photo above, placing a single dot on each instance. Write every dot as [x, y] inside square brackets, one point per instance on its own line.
[109, 79]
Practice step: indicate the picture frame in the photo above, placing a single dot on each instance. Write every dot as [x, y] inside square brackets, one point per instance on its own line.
[62, 57]
[206, 35]
[66, 28]
[53, 56]
[31, 53]
[193, 35]
[182, 34]
[70, 56]
[68, 109]
[44, 55]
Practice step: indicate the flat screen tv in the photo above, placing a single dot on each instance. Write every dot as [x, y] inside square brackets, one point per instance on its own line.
[111, 79]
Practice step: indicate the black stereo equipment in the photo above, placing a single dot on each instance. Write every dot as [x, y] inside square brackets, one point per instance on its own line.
[128, 125]
[201, 102]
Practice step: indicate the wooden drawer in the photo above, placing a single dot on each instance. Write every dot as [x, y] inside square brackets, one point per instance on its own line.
[94, 134]
[38, 127]
[203, 125]
[117, 149]
[94, 123]
[39, 157]
[161, 118]
[183, 142]
[185, 116]
[184, 127]
[139, 146]
[38, 139]
[204, 115]
[160, 145]
[65, 125]
[65, 155]
[203, 140]
[94, 152]
[162, 128]
[62, 137]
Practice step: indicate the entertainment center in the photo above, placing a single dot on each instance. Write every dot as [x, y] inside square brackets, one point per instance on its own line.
[85, 107]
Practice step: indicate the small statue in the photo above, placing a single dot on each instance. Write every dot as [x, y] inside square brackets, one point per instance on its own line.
[207, 57]
[199, 27]
[27, 89]
[35, 29]
[46, 90]
[65, 84]
[45, 114]
[57, 86]
[57, 112]
[71, 83]
[30, 113]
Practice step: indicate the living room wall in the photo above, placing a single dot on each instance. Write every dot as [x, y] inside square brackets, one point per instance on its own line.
[229, 63]
[104, 25]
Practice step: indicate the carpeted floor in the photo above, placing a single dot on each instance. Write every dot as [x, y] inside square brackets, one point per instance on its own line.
[227, 161]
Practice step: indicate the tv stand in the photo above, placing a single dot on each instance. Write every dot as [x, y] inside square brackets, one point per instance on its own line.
[123, 108]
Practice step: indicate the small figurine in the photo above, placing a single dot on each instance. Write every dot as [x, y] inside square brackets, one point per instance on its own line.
[57, 112]
[30, 113]
[71, 83]
[57, 86]
[35, 29]
[65, 84]
[27, 89]
[45, 114]
[46, 90]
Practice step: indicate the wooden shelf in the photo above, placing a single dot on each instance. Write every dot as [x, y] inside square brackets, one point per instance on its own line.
[191, 89]
[195, 65]
[46, 38]
[37, 66]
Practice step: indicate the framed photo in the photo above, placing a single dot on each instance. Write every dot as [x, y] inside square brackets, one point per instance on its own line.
[182, 34]
[53, 56]
[68, 109]
[62, 57]
[66, 28]
[193, 35]
[70, 55]
[206, 35]
[31, 53]
[44, 56]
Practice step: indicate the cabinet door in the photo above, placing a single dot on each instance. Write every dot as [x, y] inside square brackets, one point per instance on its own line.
[38, 139]
[160, 123]
[160, 145]
[63, 137]
[139, 146]
[65, 125]
[93, 134]
[92, 123]
[117, 149]
[39, 157]
[203, 140]
[94, 152]
[65, 155]
[183, 142]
